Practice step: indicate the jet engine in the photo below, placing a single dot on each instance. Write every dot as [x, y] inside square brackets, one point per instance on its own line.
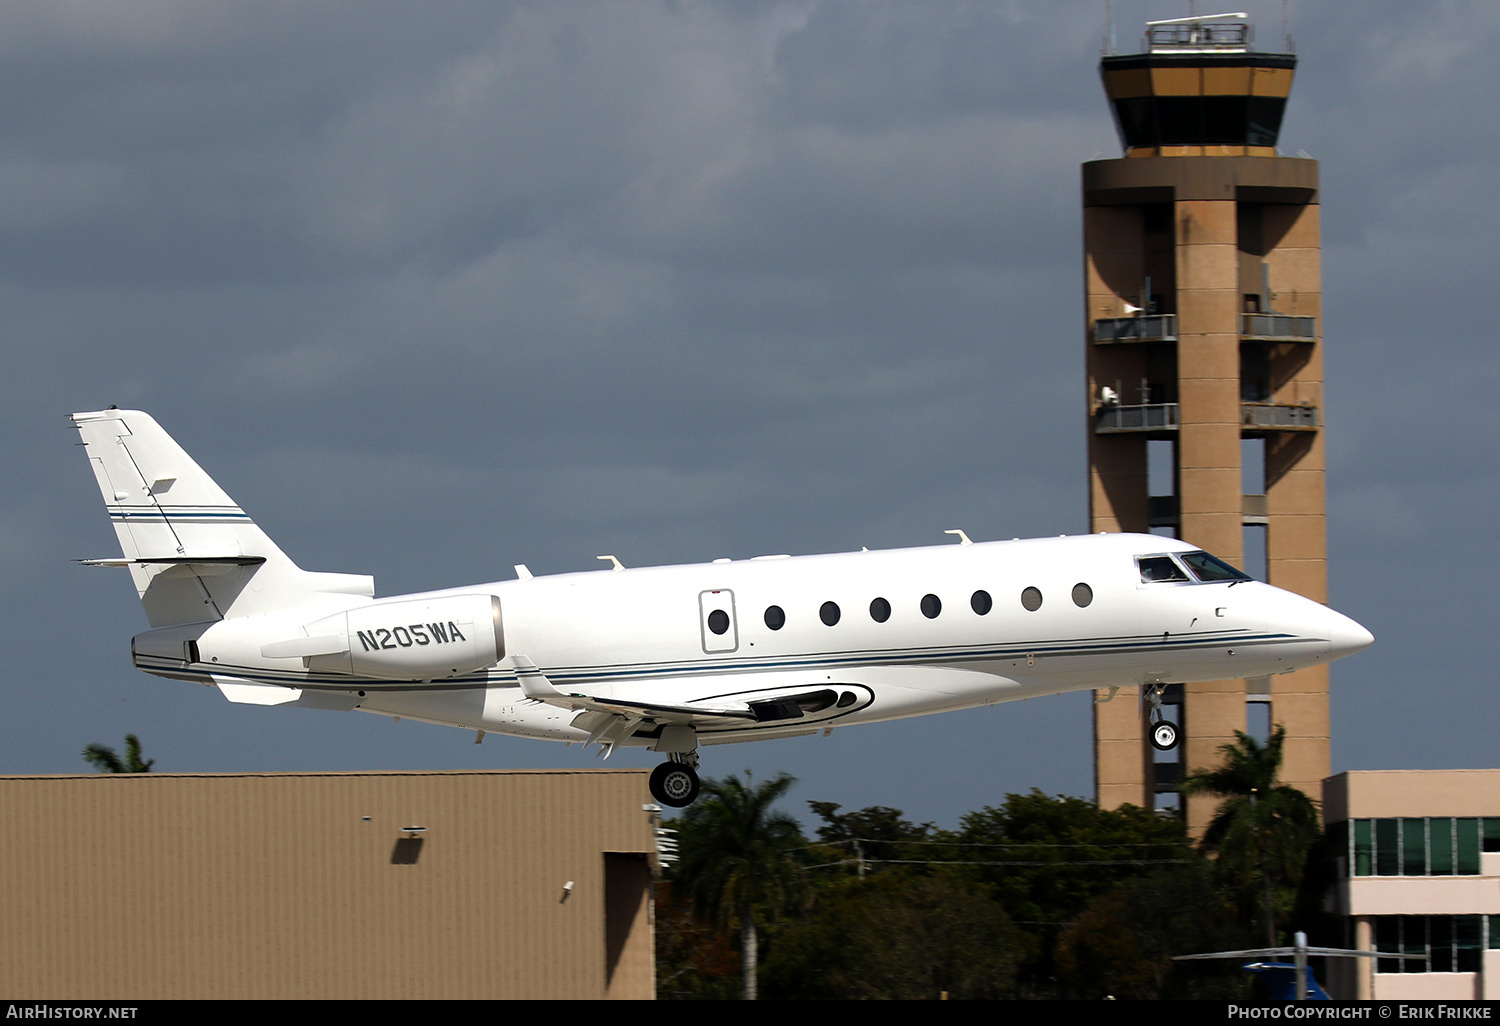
[416, 639]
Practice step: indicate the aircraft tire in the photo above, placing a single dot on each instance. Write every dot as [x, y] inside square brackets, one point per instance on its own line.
[1163, 736]
[674, 785]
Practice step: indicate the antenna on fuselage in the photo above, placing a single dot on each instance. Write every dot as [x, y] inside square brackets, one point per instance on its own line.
[611, 559]
[963, 539]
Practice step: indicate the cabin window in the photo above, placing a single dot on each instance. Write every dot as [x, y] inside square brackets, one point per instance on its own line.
[718, 621]
[829, 613]
[775, 618]
[880, 610]
[980, 602]
[1031, 598]
[1155, 569]
[931, 606]
[1082, 595]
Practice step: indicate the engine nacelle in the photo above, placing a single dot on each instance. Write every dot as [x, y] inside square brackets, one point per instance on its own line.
[416, 639]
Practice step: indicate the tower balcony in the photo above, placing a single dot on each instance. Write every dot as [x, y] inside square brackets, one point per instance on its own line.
[1273, 327]
[1158, 419]
[1162, 420]
[1166, 510]
[1257, 418]
[1254, 327]
[1155, 328]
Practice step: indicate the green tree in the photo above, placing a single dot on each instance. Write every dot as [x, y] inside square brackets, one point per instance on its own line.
[1046, 859]
[739, 860]
[104, 759]
[897, 935]
[1123, 943]
[1261, 835]
[868, 836]
[694, 961]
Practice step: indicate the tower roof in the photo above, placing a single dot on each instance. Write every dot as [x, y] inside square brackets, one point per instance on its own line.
[1198, 90]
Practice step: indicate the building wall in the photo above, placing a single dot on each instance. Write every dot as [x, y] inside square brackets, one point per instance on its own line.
[142, 886]
[1366, 901]
[1207, 232]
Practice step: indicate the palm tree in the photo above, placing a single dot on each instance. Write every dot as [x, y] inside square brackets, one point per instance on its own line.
[1263, 830]
[737, 858]
[104, 759]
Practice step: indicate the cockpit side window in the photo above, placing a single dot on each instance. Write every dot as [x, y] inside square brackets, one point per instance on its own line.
[1155, 569]
[1210, 568]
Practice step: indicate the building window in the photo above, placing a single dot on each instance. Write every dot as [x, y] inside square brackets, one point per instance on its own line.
[1441, 842]
[1413, 846]
[1387, 847]
[1452, 944]
[1362, 857]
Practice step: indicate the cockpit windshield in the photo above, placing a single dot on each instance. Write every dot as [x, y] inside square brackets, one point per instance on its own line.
[1203, 567]
[1155, 569]
[1210, 568]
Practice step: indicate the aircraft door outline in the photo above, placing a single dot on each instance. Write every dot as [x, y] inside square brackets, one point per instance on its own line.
[717, 623]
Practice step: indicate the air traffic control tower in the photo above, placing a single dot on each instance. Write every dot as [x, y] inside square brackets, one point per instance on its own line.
[1205, 379]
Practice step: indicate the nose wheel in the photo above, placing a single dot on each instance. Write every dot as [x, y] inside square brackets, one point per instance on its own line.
[1163, 732]
[1163, 736]
[675, 784]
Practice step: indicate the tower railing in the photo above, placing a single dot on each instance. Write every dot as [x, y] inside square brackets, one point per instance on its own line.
[1278, 417]
[1278, 326]
[1166, 417]
[1147, 417]
[1155, 328]
[1192, 35]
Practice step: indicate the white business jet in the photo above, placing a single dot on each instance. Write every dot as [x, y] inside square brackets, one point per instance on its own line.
[670, 658]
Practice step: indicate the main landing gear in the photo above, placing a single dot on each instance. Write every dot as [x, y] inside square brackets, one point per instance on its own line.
[1163, 732]
[676, 783]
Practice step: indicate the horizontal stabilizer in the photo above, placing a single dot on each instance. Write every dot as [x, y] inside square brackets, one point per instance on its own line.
[174, 561]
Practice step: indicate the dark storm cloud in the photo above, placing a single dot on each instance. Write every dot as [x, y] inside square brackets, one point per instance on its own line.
[437, 289]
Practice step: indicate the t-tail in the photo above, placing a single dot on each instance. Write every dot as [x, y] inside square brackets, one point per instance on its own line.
[194, 555]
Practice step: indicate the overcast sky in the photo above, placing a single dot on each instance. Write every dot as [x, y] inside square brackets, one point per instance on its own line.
[433, 289]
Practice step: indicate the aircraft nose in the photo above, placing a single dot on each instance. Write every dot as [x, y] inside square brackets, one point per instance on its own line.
[1345, 636]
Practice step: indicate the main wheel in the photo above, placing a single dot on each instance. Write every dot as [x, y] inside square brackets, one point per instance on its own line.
[1164, 736]
[674, 784]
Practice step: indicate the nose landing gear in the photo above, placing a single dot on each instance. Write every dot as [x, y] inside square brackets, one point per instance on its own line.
[1163, 732]
[1163, 736]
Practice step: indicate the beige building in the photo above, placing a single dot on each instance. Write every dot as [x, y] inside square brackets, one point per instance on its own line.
[1203, 292]
[524, 884]
[1418, 873]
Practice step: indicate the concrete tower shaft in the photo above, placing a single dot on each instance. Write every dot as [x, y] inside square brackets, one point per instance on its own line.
[1203, 291]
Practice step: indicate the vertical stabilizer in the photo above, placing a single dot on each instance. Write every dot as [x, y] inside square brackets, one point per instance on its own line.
[193, 553]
